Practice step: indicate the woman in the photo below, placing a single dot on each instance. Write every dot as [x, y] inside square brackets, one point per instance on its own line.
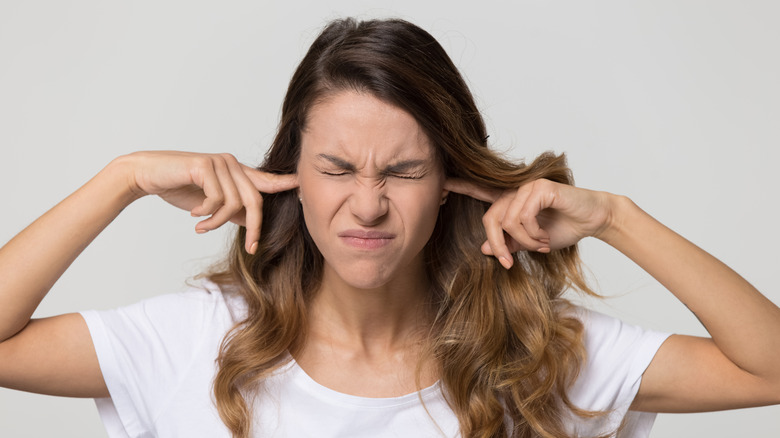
[395, 277]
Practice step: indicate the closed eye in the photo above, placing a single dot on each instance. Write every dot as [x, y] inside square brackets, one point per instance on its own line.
[339, 173]
[411, 176]
[408, 176]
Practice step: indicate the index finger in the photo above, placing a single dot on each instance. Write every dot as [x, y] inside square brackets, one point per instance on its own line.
[471, 189]
[271, 182]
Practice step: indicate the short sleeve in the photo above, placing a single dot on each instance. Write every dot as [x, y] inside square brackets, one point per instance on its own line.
[146, 350]
[617, 355]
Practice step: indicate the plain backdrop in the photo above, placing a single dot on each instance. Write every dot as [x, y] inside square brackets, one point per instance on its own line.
[673, 103]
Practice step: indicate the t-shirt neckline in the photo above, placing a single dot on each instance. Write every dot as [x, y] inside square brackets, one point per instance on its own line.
[307, 383]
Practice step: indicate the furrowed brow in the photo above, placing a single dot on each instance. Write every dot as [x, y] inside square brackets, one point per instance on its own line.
[338, 162]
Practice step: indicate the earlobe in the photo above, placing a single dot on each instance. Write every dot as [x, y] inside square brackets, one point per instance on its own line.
[444, 194]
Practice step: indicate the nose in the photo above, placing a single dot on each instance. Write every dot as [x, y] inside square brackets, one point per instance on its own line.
[368, 203]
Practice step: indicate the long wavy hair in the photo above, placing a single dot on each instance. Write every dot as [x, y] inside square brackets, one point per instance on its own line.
[502, 340]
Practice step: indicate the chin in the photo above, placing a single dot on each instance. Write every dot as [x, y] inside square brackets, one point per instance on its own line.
[367, 282]
[364, 275]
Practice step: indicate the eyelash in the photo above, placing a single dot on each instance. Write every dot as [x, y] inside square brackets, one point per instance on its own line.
[407, 176]
[410, 177]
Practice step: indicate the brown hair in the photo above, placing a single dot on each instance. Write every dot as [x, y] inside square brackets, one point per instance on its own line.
[501, 339]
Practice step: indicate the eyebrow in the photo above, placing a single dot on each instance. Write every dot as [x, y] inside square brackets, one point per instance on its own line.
[399, 167]
[338, 162]
[405, 166]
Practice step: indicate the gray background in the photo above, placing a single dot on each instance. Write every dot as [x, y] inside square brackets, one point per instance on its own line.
[673, 103]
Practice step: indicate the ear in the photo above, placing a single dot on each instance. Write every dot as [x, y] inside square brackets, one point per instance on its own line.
[443, 197]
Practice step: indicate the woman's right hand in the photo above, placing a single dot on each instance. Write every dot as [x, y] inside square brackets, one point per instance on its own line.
[214, 185]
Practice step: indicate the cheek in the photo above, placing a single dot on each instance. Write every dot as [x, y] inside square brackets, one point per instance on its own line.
[419, 209]
[321, 199]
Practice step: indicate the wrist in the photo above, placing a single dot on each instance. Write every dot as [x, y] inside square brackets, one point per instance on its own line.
[620, 209]
[119, 174]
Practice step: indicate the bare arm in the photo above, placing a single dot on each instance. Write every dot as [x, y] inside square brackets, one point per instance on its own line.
[30, 264]
[738, 367]
[32, 261]
[55, 355]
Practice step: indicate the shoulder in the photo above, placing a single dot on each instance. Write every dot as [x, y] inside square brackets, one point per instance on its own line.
[202, 311]
[609, 336]
[617, 354]
[202, 298]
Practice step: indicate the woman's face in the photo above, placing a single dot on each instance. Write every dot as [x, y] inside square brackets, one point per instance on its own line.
[371, 188]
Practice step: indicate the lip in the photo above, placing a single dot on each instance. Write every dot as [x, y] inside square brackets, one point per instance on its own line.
[363, 239]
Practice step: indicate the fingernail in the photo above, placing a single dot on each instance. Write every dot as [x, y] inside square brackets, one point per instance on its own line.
[505, 262]
[253, 248]
[201, 231]
[544, 250]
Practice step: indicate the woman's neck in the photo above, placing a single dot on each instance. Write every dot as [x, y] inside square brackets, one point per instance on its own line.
[370, 342]
[372, 321]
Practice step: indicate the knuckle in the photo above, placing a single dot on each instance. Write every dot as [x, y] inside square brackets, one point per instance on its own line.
[233, 204]
[217, 198]
[526, 218]
[526, 214]
[253, 202]
[511, 227]
[546, 185]
[219, 162]
[228, 158]
[489, 220]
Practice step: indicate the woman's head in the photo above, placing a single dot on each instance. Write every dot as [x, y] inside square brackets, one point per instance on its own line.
[399, 65]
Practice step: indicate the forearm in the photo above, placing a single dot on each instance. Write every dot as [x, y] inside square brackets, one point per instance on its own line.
[31, 262]
[744, 324]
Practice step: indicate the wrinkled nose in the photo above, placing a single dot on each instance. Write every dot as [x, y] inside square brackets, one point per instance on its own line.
[368, 203]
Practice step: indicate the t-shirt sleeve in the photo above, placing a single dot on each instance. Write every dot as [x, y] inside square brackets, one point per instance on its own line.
[617, 355]
[145, 349]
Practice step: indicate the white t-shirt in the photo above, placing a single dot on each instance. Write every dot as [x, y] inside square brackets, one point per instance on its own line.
[158, 361]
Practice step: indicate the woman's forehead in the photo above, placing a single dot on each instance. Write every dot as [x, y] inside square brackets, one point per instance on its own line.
[360, 128]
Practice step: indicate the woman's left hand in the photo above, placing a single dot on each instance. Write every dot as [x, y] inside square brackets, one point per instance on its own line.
[739, 367]
[539, 216]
